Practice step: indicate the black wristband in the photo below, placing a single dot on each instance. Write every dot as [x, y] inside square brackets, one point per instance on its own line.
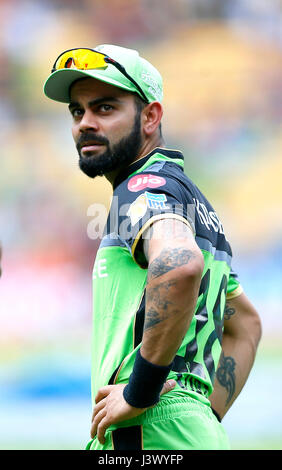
[145, 383]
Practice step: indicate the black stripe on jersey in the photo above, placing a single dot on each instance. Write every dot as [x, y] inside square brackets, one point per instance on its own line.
[113, 376]
[137, 333]
[139, 322]
[129, 438]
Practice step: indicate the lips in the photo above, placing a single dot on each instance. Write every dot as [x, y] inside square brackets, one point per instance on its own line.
[90, 146]
[90, 143]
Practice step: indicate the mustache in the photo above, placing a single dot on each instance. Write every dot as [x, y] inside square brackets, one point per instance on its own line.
[89, 137]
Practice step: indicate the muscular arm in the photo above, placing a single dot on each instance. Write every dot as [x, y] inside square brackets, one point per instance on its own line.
[242, 332]
[175, 265]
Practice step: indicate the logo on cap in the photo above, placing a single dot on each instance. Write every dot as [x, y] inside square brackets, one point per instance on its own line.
[154, 87]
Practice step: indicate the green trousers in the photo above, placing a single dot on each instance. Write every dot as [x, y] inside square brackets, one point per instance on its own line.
[173, 424]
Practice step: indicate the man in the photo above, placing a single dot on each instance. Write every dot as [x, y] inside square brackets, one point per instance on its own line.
[164, 372]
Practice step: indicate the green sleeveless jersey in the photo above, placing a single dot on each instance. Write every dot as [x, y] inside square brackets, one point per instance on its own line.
[153, 188]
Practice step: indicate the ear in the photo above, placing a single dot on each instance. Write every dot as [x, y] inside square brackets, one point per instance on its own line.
[152, 115]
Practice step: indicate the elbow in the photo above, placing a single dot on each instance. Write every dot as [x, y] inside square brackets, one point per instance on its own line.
[197, 267]
[256, 327]
[192, 272]
[195, 270]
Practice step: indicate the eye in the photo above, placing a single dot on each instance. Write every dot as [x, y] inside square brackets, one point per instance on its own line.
[105, 108]
[76, 112]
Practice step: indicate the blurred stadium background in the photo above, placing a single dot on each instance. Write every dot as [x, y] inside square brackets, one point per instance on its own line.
[221, 64]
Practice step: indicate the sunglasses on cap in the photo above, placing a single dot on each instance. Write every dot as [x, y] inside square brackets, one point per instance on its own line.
[89, 59]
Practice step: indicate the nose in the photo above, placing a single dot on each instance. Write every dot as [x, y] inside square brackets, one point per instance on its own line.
[88, 122]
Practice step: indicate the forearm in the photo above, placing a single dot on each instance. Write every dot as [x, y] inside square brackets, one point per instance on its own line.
[239, 346]
[171, 295]
[235, 364]
[175, 267]
[168, 315]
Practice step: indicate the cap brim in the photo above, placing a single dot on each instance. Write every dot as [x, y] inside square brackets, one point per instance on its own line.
[57, 85]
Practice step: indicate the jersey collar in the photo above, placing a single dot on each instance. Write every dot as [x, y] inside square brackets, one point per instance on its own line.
[170, 154]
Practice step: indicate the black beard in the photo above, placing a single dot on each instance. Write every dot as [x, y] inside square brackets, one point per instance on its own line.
[119, 156]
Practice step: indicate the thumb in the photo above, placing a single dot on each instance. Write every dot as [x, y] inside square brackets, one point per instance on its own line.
[168, 386]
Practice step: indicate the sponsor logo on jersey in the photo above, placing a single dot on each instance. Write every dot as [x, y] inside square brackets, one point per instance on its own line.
[142, 181]
[145, 201]
[156, 201]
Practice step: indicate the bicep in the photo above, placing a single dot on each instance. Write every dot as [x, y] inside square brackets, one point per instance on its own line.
[168, 244]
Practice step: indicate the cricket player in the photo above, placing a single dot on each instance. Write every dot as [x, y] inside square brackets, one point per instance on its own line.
[174, 334]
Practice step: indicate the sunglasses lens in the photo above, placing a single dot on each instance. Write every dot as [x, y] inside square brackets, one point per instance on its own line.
[81, 59]
[88, 59]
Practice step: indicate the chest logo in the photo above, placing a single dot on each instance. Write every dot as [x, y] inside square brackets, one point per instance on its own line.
[142, 181]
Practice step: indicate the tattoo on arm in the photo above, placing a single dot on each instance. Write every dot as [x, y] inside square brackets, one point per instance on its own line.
[168, 259]
[158, 306]
[229, 311]
[226, 375]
